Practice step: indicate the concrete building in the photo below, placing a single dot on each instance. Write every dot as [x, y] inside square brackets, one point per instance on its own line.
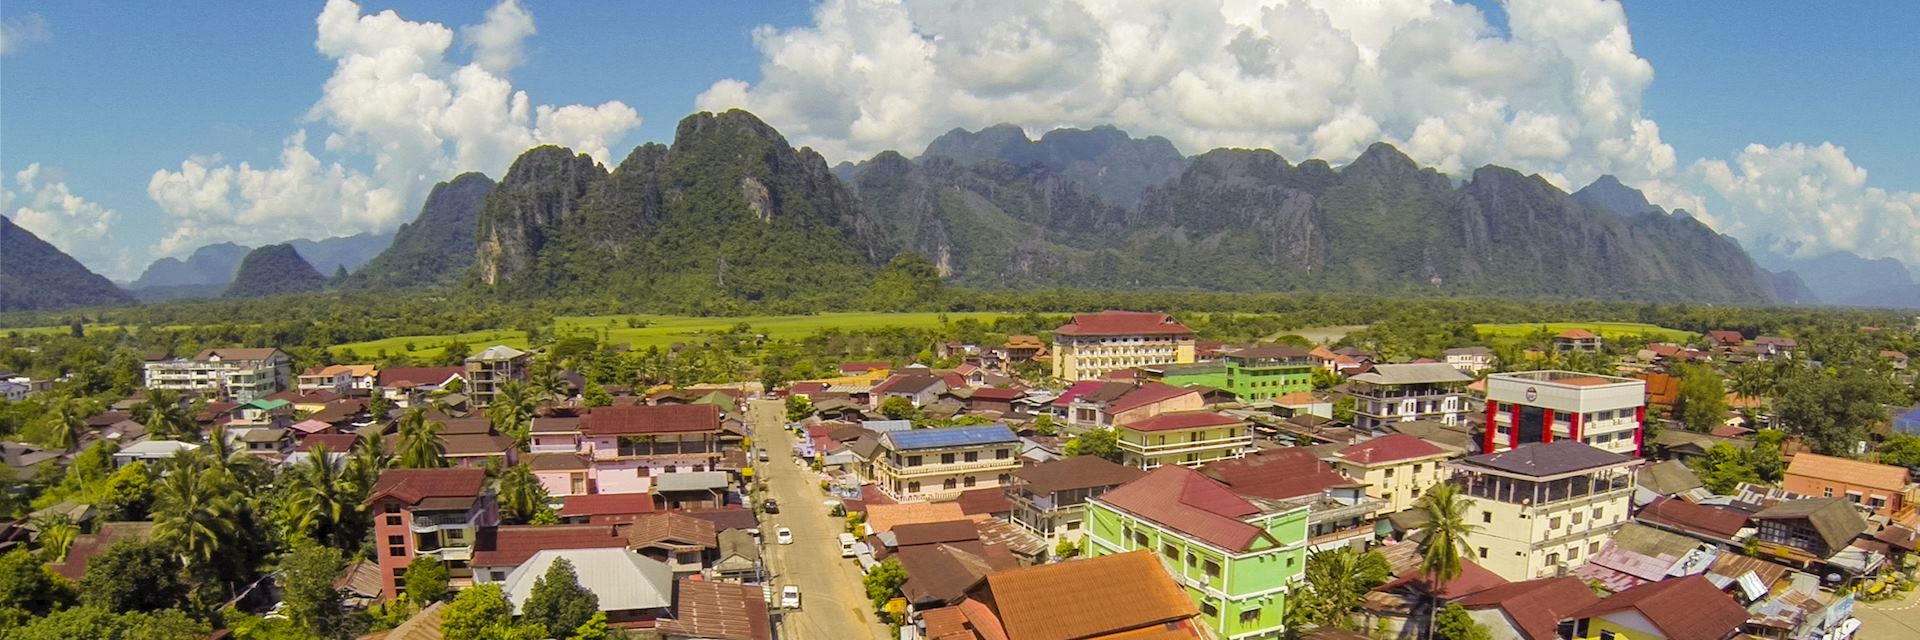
[429, 512]
[1093, 345]
[1187, 438]
[238, 375]
[492, 367]
[928, 463]
[1577, 340]
[1882, 488]
[1268, 371]
[1397, 468]
[1049, 498]
[1093, 404]
[1238, 559]
[626, 448]
[1470, 360]
[1604, 411]
[1407, 392]
[1542, 508]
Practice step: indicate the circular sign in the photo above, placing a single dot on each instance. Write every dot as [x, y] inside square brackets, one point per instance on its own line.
[1532, 394]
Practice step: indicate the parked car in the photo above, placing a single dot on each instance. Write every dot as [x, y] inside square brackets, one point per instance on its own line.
[783, 535]
[763, 454]
[770, 505]
[790, 596]
[847, 542]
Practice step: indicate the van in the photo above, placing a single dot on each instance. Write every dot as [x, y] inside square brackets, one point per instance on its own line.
[847, 542]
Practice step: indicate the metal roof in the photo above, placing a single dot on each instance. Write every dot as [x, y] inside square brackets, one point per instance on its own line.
[623, 579]
[690, 481]
[950, 437]
[1422, 373]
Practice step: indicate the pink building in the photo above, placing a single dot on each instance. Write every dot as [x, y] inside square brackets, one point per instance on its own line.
[621, 449]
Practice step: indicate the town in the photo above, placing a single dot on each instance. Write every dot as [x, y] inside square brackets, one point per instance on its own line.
[1115, 477]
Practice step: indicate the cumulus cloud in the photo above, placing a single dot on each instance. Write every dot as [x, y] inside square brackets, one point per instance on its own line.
[399, 105]
[1809, 199]
[39, 200]
[18, 33]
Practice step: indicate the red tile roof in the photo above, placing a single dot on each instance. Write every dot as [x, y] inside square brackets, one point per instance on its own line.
[1077, 389]
[996, 393]
[1577, 334]
[1147, 394]
[1689, 608]
[1122, 323]
[1687, 516]
[413, 485]
[984, 501]
[335, 442]
[1473, 579]
[510, 545]
[1179, 420]
[1391, 448]
[1181, 499]
[1092, 598]
[607, 504]
[1536, 606]
[1277, 474]
[725, 518]
[908, 535]
[416, 376]
[1077, 472]
[666, 418]
[807, 388]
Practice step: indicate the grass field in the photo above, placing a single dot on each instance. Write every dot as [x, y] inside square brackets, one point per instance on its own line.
[1604, 329]
[662, 330]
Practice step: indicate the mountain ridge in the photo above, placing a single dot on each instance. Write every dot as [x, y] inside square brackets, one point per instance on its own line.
[35, 275]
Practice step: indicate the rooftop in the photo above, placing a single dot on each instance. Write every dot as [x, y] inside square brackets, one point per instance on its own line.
[496, 352]
[511, 545]
[1422, 373]
[1878, 476]
[1536, 606]
[645, 419]
[1181, 420]
[1122, 323]
[623, 579]
[1183, 500]
[1088, 598]
[1076, 472]
[1687, 516]
[1689, 608]
[1393, 447]
[718, 611]
[1565, 378]
[1548, 459]
[1834, 519]
[672, 529]
[415, 485]
[1286, 473]
[884, 517]
[1144, 394]
[949, 437]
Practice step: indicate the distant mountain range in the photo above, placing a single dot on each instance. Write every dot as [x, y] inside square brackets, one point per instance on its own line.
[36, 275]
[209, 269]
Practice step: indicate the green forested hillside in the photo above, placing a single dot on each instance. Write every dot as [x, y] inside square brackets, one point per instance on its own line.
[436, 248]
[36, 275]
[273, 270]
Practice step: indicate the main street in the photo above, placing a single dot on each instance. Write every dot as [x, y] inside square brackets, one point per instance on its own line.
[833, 600]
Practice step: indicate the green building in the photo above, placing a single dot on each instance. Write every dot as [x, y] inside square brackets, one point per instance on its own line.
[1268, 371]
[1238, 559]
[1206, 374]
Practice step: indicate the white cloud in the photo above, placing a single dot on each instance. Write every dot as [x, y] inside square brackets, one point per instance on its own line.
[396, 99]
[39, 200]
[1811, 199]
[18, 33]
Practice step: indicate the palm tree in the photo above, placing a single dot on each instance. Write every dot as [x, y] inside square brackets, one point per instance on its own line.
[368, 459]
[57, 532]
[165, 415]
[421, 443]
[1336, 581]
[321, 498]
[511, 410]
[521, 495]
[193, 508]
[547, 380]
[69, 425]
[1447, 530]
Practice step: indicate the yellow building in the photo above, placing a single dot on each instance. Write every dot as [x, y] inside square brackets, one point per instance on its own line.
[1188, 438]
[921, 464]
[1688, 608]
[1397, 468]
[1544, 508]
[1095, 344]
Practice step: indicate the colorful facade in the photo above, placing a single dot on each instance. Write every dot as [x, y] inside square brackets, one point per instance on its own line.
[1093, 345]
[1607, 412]
[1268, 371]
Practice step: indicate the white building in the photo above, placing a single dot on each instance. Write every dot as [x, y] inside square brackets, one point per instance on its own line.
[1470, 360]
[239, 375]
[1543, 509]
[1408, 392]
[1604, 411]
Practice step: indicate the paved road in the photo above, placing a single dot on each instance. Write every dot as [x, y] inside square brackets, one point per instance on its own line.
[1889, 619]
[834, 602]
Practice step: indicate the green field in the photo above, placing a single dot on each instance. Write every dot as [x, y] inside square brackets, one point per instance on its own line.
[663, 331]
[1604, 329]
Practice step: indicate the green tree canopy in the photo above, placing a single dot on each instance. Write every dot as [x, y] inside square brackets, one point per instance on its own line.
[1702, 401]
[134, 576]
[306, 580]
[883, 582]
[426, 580]
[1104, 443]
[558, 603]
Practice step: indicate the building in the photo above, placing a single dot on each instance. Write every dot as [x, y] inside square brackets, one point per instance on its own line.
[1470, 360]
[1529, 610]
[344, 379]
[1882, 488]
[1688, 608]
[1093, 345]
[1808, 531]
[1604, 411]
[1407, 392]
[919, 388]
[1188, 438]
[1339, 513]
[1543, 507]
[238, 375]
[1268, 371]
[1237, 559]
[492, 367]
[1093, 404]
[408, 386]
[1049, 499]
[429, 512]
[1124, 595]
[1023, 348]
[627, 446]
[707, 610]
[927, 463]
[1397, 468]
[632, 589]
[1577, 340]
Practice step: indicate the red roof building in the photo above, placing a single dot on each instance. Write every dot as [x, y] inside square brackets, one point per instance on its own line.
[1182, 420]
[605, 508]
[1278, 474]
[1390, 448]
[454, 501]
[1534, 608]
[499, 549]
[1689, 608]
[651, 419]
[1183, 500]
[1680, 516]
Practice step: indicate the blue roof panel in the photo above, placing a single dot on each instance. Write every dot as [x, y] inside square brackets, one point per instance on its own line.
[952, 437]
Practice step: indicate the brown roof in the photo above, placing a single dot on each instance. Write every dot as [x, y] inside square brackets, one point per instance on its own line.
[422, 626]
[1122, 323]
[1277, 474]
[984, 501]
[1536, 606]
[1689, 608]
[414, 485]
[86, 546]
[1183, 500]
[361, 579]
[1878, 476]
[1181, 420]
[725, 518]
[673, 528]
[512, 544]
[416, 376]
[908, 535]
[667, 418]
[1577, 334]
[996, 393]
[1473, 579]
[1553, 458]
[334, 442]
[1088, 598]
[555, 461]
[940, 572]
[884, 517]
[1146, 394]
[607, 504]
[1077, 472]
[1687, 516]
[477, 444]
[1834, 519]
[718, 611]
[1023, 342]
[1392, 447]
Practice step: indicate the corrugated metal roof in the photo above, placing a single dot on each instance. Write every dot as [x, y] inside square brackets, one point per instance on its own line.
[623, 579]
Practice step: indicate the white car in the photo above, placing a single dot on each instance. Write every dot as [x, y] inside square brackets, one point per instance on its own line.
[790, 597]
[783, 535]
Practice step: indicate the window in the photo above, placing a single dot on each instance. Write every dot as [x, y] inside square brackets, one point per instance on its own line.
[1140, 539]
[1002, 454]
[968, 482]
[946, 458]
[456, 534]
[1483, 553]
[390, 507]
[913, 461]
[1854, 497]
[1172, 554]
[1250, 616]
[1597, 511]
[913, 487]
[1073, 525]
[395, 552]
[1573, 553]
[396, 540]
[1486, 516]
[1578, 517]
[973, 456]
[1416, 469]
[1877, 502]
[1211, 568]
[1593, 548]
[949, 483]
[1608, 635]
[1553, 558]
[1554, 523]
[1207, 609]
[1389, 472]
[393, 521]
[1827, 492]
[1388, 496]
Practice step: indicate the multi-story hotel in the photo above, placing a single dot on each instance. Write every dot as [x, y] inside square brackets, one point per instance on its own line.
[1049, 499]
[626, 448]
[240, 375]
[1543, 509]
[429, 512]
[1268, 371]
[492, 367]
[1600, 410]
[1187, 438]
[929, 463]
[1408, 392]
[1093, 345]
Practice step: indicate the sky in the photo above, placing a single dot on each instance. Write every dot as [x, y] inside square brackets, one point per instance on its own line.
[141, 130]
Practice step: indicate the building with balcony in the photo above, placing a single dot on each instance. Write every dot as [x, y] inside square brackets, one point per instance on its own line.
[1238, 559]
[929, 463]
[1547, 406]
[492, 367]
[1469, 360]
[1049, 499]
[1339, 512]
[626, 447]
[408, 386]
[1407, 392]
[1269, 371]
[1093, 404]
[429, 512]
[1808, 532]
[1542, 508]
[238, 375]
[1188, 438]
[345, 379]
[1577, 340]
[1093, 345]
[1397, 468]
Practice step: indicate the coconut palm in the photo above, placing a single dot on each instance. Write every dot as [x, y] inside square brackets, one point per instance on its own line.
[1336, 581]
[193, 508]
[512, 410]
[1447, 530]
[69, 425]
[165, 415]
[521, 495]
[422, 445]
[321, 499]
[547, 381]
[368, 459]
[57, 532]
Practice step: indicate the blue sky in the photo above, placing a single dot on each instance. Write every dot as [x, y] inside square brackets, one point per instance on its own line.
[102, 97]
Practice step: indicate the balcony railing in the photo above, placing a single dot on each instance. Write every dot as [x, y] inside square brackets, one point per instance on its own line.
[423, 523]
[935, 467]
[1184, 445]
